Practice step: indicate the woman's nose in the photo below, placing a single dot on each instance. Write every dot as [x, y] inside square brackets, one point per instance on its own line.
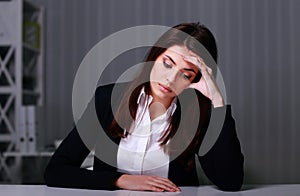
[171, 75]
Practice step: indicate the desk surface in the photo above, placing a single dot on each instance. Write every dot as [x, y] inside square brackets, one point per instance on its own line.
[41, 190]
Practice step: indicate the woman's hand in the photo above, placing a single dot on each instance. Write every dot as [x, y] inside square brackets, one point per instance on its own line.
[207, 85]
[146, 183]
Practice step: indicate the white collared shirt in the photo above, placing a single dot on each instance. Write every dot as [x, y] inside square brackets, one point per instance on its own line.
[140, 152]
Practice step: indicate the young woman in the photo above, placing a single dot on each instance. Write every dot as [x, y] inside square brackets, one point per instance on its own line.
[158, 125]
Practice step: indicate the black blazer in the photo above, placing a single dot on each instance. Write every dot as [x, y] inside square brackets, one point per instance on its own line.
[223, 164]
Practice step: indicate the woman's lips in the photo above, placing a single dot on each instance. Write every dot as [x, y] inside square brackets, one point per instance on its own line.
[165, 88]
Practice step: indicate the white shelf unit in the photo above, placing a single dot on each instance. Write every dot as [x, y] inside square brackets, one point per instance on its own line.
[21, 79]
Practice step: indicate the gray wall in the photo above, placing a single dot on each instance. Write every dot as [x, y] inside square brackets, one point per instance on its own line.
[258, 44]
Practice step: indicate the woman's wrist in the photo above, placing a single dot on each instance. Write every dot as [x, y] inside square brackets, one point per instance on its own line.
[118, 182]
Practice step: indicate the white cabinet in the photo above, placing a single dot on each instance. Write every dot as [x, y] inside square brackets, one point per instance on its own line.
[21, 77]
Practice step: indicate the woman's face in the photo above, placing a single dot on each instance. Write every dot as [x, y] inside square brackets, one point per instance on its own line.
[171, 74]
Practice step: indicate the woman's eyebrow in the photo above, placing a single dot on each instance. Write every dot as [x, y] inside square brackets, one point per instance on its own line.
[187, 69]
[171, 59]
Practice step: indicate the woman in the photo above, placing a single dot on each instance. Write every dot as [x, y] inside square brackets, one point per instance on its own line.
[158, 125]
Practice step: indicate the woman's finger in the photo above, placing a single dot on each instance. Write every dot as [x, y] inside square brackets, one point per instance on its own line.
[204, 69]
[197, 61]
[163, 184]
[167, 183]
[194, 61]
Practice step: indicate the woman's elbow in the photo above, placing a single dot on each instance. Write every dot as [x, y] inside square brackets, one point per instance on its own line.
[233, 183]
[49, 177]
[234, 186]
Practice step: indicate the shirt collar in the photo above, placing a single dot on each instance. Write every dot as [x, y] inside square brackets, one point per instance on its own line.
[142, 97]
[172, 107]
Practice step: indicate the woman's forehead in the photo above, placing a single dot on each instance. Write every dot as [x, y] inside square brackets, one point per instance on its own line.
[180, 51]
[177, 53]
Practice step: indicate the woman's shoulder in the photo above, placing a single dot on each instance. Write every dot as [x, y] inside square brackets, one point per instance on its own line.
[108, 88]
[110, 93]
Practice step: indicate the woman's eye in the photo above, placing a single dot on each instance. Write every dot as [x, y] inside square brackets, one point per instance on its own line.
[167, 65]
[187, 77]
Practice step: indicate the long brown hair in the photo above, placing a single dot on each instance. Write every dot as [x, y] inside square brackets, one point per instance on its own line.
[174, 36]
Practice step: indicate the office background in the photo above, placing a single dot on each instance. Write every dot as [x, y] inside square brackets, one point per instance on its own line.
[258, 43]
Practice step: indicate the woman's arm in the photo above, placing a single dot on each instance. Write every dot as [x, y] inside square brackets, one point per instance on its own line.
[146, 183]
[64, 170]
[224, 163]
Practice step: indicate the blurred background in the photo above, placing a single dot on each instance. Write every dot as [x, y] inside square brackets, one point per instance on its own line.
[42, 43]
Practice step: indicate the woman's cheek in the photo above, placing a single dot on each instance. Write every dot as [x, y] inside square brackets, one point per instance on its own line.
[156, 75]
[180, 87]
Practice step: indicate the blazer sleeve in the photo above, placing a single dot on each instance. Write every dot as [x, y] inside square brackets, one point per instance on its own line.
[223, 164]
[64, 168]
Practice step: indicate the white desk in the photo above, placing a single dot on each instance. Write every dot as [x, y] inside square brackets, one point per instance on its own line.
[41, 190]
